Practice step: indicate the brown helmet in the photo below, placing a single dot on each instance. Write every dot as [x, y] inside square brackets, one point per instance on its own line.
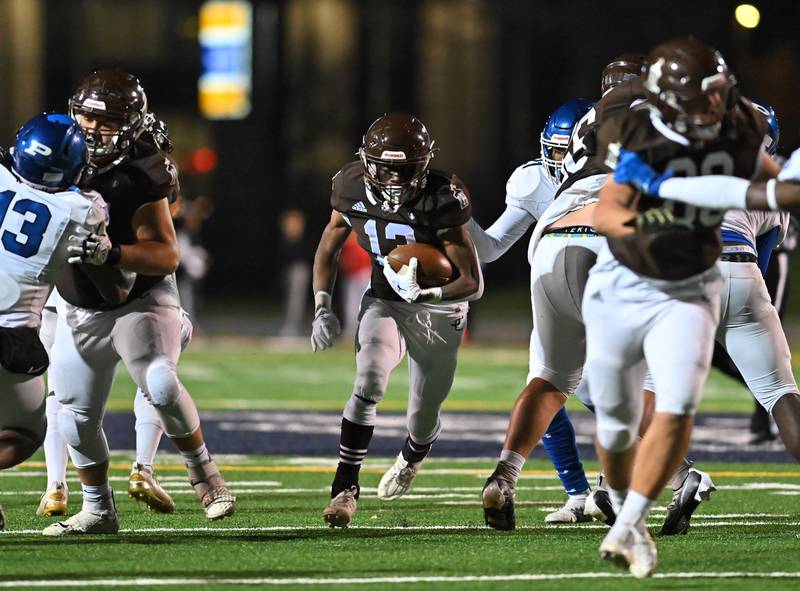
[623, 67]
[688, 83]
[112, 96]
[396, 152]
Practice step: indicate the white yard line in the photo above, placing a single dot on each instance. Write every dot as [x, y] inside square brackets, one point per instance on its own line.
[164, 582]
[397, 528]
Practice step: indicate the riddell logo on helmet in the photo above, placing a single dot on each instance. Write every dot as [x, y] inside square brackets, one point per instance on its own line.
[94, 104]
[393, 155]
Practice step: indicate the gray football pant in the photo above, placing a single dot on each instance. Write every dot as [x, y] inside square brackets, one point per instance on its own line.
[431, 333]
[146, 335]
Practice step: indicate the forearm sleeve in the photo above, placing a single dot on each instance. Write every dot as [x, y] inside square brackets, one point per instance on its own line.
[715, 192]
[492, 243]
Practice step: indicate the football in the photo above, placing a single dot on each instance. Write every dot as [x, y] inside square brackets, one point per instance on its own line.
[434, 269]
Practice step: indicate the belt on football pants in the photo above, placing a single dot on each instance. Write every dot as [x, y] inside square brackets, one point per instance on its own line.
[738, 257]
[574, 231]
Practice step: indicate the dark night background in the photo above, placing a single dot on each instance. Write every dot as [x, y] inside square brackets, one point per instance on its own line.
[483, 75]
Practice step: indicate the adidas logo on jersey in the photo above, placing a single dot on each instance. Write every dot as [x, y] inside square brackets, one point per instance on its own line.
[359, 207]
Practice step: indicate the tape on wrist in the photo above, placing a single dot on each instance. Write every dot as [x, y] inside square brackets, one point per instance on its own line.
[433, 294]
[772, 200]
[322, 299]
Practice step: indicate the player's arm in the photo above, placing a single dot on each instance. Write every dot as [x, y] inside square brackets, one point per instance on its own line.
[493, 242]
[615, 209]
[326, 262]
[154, 253]
[459, 248]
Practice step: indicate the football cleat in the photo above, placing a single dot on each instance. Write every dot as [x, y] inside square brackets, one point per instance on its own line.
[340, 511]
[498, 504]
[212, 490]
[85, 522]
[571, 512]
[598, 505]
[397, 479]
[143, 486]
[630, 546]
[697, 487]
[54, 500]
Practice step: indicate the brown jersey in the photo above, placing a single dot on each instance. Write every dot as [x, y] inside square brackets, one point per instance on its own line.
[145, 177]
[691, 244]
[443, 202]
[582, 160]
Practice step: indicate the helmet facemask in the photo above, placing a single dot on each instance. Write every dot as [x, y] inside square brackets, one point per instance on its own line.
[554, 148]
[107, 136]
[393, 179]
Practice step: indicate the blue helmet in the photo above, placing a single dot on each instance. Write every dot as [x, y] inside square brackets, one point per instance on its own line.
[50, 152]
[774, 132]
[556, 133]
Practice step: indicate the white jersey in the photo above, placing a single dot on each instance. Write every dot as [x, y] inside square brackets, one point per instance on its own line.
[34, 230]
[750, 225]
[529, 192]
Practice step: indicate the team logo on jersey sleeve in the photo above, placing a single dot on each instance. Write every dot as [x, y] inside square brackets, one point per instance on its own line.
[359, 206]
[459, 195]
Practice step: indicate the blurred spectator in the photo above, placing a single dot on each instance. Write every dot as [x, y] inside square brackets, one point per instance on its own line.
[195, 259]
[355, 268]
[297, 254]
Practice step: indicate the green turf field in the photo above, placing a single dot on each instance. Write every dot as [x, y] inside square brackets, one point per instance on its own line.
[431, 539]
[232, 376]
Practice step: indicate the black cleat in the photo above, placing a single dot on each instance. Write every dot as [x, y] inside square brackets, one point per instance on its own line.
[697, 487]
[598, 505]
[498, 504]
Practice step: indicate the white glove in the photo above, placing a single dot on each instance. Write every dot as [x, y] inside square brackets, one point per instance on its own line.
[89, 247]
[404, 281]
[325, 327]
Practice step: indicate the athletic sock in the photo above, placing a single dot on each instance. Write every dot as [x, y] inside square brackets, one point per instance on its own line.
[617, 498]
[559, 443]
[509, 466]
[55, 449]
[635, 509]
[148, 436]
[679, 477]
[97, 498]
[414, 453]
[196, 457]
[578, 499]
[353, 443]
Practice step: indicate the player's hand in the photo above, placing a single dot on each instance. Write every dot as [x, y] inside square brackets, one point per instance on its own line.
[634, 171]
[652, 221]
[89, 247]
[324, 329]
[404, 281]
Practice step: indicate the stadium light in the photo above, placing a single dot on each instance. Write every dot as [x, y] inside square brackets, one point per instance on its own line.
[747, 16]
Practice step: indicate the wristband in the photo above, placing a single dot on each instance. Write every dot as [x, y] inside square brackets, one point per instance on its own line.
[114, 256]
[772, 200]
[322, 299]
[432, 294]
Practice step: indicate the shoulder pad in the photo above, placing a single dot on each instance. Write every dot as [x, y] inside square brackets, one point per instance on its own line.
[525, 179]
[161, 174]
[453, 203]
[347, 186]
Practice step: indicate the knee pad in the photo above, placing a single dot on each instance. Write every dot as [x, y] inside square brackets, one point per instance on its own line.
[361, 411]
[163, 387]
[180, 419]
[615, 436]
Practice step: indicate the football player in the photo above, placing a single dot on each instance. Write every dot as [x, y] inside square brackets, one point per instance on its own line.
[128, 166]
[38, 213]
[529, 191]
[653, 297]
[750, 327]
[390, 197]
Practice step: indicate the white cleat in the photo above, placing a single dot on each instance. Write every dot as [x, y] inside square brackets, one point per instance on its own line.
[54, 500]
[627, 545]
[397, 480]
[342, 508]
[571, 512]
[85, 522]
